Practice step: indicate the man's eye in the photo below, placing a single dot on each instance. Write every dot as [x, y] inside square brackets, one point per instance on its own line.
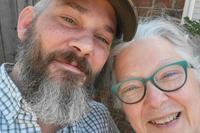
[69, 20]
[102, 39]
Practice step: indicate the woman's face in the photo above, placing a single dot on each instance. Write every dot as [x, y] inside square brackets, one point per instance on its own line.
[159, 112]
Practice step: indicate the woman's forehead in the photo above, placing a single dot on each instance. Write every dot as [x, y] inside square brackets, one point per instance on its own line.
[145, 56]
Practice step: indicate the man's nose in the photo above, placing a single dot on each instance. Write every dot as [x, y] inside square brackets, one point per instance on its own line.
[83, 45]
[154, 96]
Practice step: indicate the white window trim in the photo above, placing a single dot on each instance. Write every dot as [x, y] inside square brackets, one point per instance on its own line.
[188, 9]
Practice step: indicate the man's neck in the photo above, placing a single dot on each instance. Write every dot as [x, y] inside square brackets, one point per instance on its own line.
[48, 128]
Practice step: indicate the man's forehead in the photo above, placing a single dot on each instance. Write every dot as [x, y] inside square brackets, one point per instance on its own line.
[73, 4]
[76, 5]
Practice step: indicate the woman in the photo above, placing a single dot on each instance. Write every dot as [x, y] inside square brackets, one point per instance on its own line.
[157, 79]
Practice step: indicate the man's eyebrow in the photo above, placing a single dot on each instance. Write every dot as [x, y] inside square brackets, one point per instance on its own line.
[82, 9]
[74, 5]
[109, 29]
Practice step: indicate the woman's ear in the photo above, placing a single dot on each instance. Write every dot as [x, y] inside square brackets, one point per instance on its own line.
[24, 20]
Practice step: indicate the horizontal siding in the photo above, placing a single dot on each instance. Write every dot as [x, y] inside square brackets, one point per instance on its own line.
[196, 13]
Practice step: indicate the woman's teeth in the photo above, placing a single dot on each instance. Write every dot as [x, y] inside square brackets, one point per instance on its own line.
[166, 120]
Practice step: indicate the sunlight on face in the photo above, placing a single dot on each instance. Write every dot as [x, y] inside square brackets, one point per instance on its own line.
[63, 49]
[158, 112]
[77, 25]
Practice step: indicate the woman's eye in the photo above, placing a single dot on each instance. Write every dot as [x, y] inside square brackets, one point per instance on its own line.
[169, 75]
[131, 88]
[69, 20]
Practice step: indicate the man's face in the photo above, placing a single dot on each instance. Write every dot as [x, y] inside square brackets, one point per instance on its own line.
[63, 49]
[76, 25]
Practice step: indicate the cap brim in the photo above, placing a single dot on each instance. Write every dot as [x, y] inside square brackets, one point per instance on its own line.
[127, 17]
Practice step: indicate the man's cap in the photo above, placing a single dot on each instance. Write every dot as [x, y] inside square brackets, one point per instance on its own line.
[126, 18]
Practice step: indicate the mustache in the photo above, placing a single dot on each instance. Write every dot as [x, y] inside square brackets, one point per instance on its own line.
[69, 57]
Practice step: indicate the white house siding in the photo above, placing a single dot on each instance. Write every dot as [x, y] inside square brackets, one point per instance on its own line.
[196, 12]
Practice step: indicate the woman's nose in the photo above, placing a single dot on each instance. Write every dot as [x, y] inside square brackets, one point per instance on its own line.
[154, 96]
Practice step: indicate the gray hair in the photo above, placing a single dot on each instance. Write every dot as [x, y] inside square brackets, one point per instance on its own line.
[159, 27]
[40, 6]
[166, 28]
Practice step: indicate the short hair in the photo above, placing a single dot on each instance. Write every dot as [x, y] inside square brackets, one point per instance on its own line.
[40, 6]
[158, 27]
[165, 27]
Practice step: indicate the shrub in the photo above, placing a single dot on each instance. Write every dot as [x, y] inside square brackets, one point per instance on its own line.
[192, 26]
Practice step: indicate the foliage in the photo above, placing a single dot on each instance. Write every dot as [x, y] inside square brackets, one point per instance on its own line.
[192, 26]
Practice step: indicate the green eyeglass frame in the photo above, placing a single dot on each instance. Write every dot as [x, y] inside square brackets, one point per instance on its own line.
[181, 63]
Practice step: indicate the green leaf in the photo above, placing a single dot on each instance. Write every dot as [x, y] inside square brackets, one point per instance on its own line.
[192, 26]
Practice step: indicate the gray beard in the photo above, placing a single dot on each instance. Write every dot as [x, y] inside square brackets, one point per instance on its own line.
[55, 104]
[54, 101]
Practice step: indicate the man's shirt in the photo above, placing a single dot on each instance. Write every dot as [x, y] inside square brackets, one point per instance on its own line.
[16, 118]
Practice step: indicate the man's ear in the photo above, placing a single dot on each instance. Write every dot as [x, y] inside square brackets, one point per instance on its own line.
[24, 20]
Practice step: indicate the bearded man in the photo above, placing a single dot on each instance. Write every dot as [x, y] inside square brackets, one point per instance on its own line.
[64, 45]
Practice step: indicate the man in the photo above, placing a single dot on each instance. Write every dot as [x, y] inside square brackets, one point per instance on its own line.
[64, 45]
